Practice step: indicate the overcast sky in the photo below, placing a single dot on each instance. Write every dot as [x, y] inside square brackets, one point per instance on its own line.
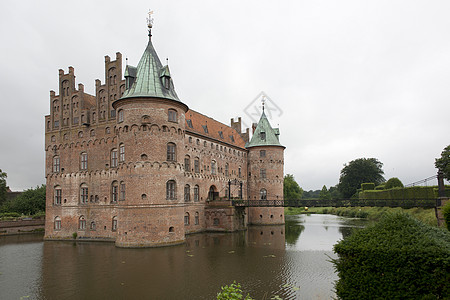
[346, 79]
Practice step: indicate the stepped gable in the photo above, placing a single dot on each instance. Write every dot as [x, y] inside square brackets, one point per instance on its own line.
[206, 126]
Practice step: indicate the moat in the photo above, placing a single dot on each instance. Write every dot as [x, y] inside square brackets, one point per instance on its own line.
[290, 261]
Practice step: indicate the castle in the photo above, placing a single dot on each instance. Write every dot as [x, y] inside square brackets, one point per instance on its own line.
[135, 165]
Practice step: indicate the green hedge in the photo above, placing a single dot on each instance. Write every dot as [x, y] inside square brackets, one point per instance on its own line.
[397, 258]
[415, 192]
[367, 186]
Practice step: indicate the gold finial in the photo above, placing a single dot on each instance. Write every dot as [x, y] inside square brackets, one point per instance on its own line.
[150, 19]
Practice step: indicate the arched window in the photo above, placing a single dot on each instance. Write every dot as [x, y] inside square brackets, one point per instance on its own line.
[187, 163]
[82, 223]
[196, 193]
[122, 191]
[83, 161]
[114, 191]
[171, 229]
[93, 227]
[213, 167]
[120, 116]
[196, 218]
[121, 152]
[57, 223]
[239, 172]
[263, 194]
[114, 223]
[56, 166]
[197, 165]
[172, 115]
[226, 169]
[114, 158]
[171, 190]
[171, 152]
[187, 193]
[92, 132]
[58, 195]
[186, 219]
[84, 193]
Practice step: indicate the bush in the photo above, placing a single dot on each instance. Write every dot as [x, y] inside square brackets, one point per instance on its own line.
[367, 186]
[446, 214]
[29, 202]
[396, 258]
[392, 183]
[380, 187]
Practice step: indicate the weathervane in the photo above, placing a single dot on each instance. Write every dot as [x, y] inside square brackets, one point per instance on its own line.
[150, 22]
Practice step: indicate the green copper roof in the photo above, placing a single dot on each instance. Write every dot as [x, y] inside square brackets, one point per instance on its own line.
[151, 78]
[264, 134]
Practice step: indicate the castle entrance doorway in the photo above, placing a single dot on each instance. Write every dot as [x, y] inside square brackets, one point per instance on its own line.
[213, 194]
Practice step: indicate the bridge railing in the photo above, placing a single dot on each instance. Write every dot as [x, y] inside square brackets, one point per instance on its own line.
[405, 203]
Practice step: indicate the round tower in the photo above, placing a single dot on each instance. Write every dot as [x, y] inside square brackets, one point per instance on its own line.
[150, 129]
[265, 167]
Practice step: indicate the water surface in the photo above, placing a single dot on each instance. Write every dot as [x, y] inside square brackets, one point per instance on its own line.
[290, 261]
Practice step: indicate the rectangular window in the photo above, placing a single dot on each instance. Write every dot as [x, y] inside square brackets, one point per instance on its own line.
[186, 220]
[196, 198]
[171, 152]
[83, 165]
[82, 224]
[114, 159]
[114, 193]
[187, 193]
[57, 224]
[239, 172]
[84, 195]
[114, 224]
[263, 173]
[226, 170]
[196, 166]
[213, 168]
[113, 113]
[56, 165]
[75, 120]
[262, 153]
[58, 196]
[122, 153]
[56, 124]
[187, 164]
[122, 191]
[216, 221]
[196, 220]
[172, 115]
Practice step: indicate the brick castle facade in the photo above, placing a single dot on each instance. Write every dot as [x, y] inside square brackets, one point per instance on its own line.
[135, 165]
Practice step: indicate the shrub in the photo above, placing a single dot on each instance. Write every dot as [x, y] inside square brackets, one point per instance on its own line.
[367, 186]
[396, 258]
[392, 183]
[380, 187]
[446, 214]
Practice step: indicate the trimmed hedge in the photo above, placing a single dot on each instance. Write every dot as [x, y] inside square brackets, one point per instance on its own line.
[367, 186]
[415, 192]
[446, 214]
[396, 258]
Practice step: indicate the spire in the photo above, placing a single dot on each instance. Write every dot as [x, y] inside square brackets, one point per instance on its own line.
[264, 134]
[150, 78]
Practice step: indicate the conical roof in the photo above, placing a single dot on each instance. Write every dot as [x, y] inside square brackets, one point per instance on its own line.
[152, 79]
[264, 134]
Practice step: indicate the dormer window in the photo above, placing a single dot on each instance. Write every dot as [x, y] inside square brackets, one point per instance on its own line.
[221, 134]
[166, 82]
[205, 128]
[262, 135]
[189, 122]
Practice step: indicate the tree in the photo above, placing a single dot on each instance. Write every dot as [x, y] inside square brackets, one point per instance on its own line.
[443, 163]
[361, 170]
[291, 189]
[29, 202]
[334, 193]
[392, 183]
[324, 194]
[2, 186]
